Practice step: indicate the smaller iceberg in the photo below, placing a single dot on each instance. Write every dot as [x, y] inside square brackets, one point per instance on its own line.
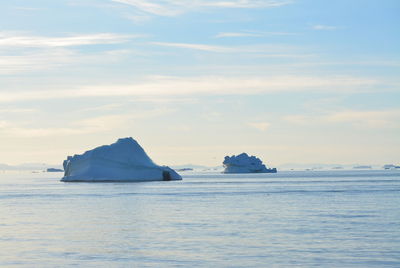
[122, 161]
[243, 163]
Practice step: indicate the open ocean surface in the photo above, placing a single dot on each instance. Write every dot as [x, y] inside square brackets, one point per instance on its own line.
[296, 218]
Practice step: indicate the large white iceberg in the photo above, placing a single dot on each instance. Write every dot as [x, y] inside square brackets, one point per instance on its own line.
[123, 161]
[243, 163]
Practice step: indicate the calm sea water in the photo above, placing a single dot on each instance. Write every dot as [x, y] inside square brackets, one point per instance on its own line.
[304, 219]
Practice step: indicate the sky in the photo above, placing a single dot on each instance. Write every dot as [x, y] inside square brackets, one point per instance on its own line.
[290, 81]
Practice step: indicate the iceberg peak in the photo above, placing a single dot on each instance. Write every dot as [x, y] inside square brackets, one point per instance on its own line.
[127, 140]
[124, 160]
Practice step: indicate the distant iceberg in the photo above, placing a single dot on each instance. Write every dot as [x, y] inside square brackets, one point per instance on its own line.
[391, 166]
[362, 167]
[122, 161]
[243, 163]
[54, 170]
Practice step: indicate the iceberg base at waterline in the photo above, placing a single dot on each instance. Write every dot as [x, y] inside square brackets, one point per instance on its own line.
[122, 161]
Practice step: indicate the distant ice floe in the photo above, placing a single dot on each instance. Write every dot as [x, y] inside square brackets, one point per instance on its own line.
[243, 163]
[122, 161]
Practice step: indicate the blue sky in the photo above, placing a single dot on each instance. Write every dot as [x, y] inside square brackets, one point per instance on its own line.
[287, 80]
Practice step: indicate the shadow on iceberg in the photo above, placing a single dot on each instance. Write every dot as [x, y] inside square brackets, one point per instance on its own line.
[122, 161]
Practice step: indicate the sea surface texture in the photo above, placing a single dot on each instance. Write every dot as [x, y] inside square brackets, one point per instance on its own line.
[288, 219]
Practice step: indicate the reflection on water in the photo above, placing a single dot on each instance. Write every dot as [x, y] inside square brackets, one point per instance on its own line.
[309, 219]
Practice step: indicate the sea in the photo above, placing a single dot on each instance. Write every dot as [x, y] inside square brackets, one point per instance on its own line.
[310, 218]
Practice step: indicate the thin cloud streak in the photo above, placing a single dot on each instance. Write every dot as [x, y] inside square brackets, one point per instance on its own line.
[27, 8]
[251, 34]
[209, 48]
[84, 126]
[262, 126]
[177, 7]
[208, 85]
[247, 3]
[53, 58]
[274, 50]
[321, 27]
[13, 40]
[239, 34]
[291, 56]
[389, 118]
[12, 110]
[25, 62]
[162, 9]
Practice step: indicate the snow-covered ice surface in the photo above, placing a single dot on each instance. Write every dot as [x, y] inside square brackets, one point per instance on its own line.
[124, 160]
[288, 219]
[244, 163]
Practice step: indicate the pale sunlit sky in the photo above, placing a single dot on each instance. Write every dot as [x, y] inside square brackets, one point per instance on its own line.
[290, 81]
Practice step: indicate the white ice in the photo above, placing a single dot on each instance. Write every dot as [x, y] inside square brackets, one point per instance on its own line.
[124, 160]
[243, 163]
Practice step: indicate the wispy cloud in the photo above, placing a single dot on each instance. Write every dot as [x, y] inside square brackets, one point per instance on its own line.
[27, 8]
[106, 107]
[203, 47]
[53, 58]
[360, 118]
[321, 27]
[168, 8]
[203, 85]
[372, 118]
[137, 18]
[176, 7]
[263, 126]
[258, 50]
[13, 110]
[97, 124]
[38, 60]
[246, 3]
[13, 40]
[289, 56]
[85, 126]
[251, 34]
[237, 34]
